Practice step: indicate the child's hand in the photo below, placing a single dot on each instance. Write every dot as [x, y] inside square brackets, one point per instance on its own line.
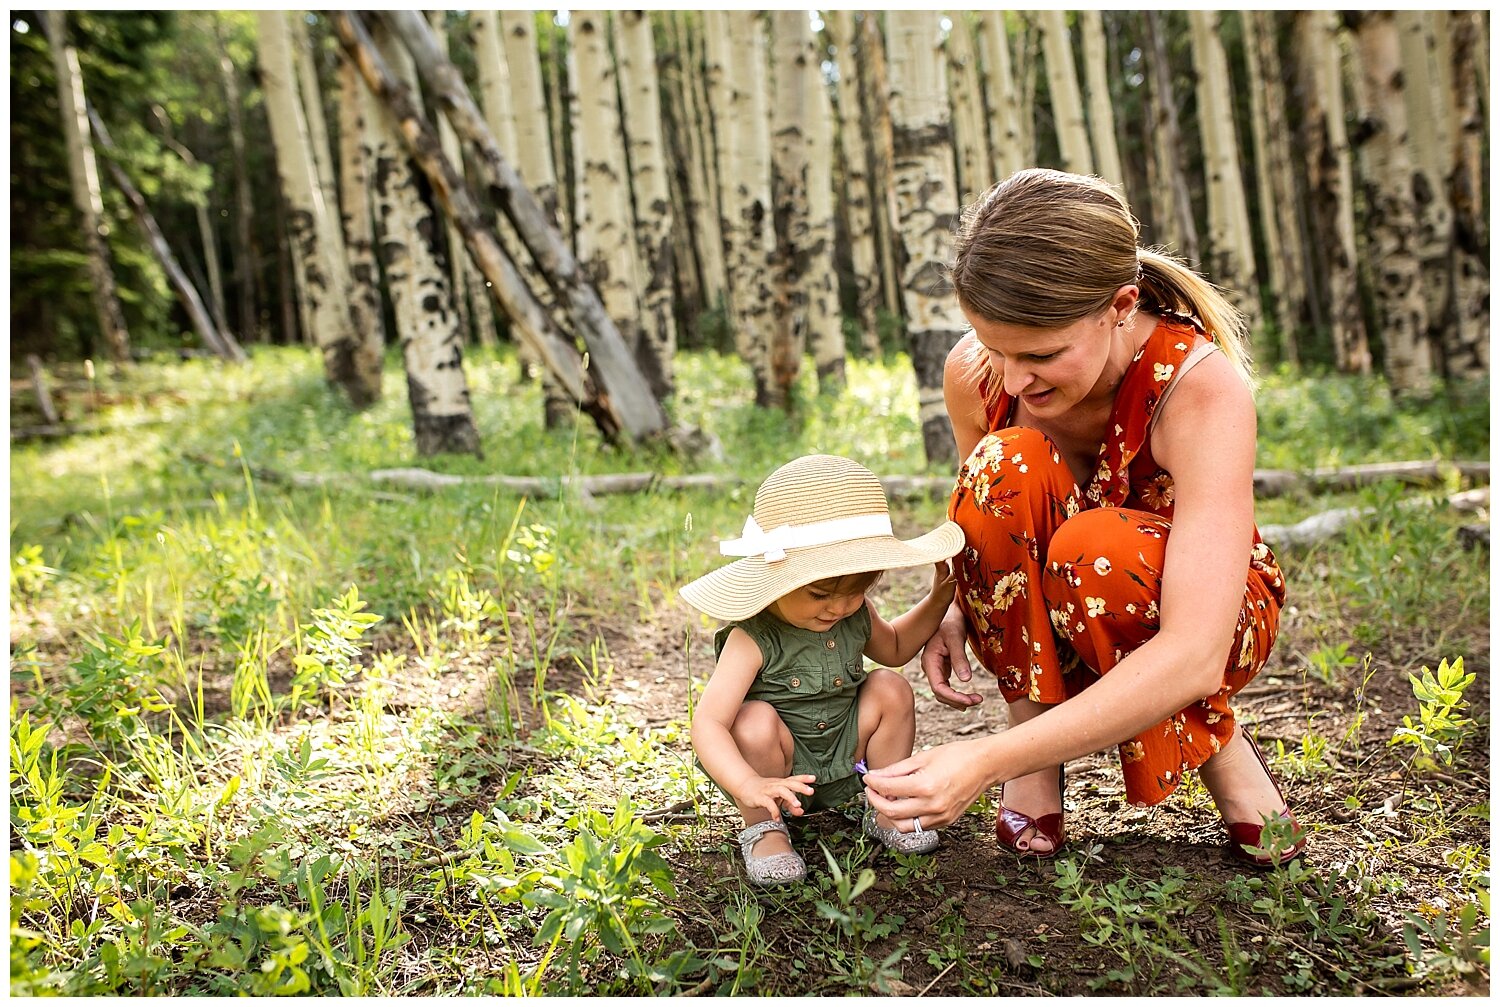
[944, 584]
[773, 793]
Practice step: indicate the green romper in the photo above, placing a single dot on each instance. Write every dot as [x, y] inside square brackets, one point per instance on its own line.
[813, 680]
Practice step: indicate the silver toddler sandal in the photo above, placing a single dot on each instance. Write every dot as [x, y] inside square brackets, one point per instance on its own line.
[920, 841]
[777, 869]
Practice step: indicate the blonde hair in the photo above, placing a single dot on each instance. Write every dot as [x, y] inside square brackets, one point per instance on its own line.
[1044, 248]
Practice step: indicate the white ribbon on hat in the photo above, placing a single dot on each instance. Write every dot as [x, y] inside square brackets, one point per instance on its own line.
[772, 545]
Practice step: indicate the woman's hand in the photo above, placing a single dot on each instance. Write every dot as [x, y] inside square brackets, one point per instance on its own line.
[774, 793]
[936, 786]
[944, 657]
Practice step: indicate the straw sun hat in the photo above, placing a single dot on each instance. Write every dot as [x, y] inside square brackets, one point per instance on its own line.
[817, 517]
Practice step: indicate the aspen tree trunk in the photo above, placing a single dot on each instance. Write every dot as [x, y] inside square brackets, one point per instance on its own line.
[426, 324]
[1230, 253]
[1331, 182]
[355, 112]
[317, 123]
[245, 270]
[1283, 304]
[1295, 267]
[530, 138]
[1007, 153]
[1391, 212]
[321, 270]
[213, 277]
[927, 199]
[286, 282]
[560, 112]
[966, 99]
[625, 405]
[857, 201]
[688, 300]
[1024, 58]
[83, 174]
[1101, 109]
[736, 45]
[605, 225]
[641, 100]
[1429, 146]
[1067, 102]
[1171, 199]
[701, 194]
[825, 324]
[875, 86]
[454, 253]
[1466, 352]
[789, 196]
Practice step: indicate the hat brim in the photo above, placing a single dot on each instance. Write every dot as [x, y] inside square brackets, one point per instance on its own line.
[747, 586]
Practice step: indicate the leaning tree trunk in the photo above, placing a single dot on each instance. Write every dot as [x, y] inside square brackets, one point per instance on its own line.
[859, 224]
[1330, 182]
[1230, 254]
[966, 101]
[355, 113]
[1101, 110]
[1426, 113]
[1171, 202]
[245, 270]
[527, 132]
[623, 403]
[874, 84]
[426, 324]
[1067, 102]
[927, 199]
[641, 100]
[789, 197]
[1466, 351]
[1004, 99]
[736, 44]
[83, 174]
[1391, 212]
[604, 223]
[322, 273]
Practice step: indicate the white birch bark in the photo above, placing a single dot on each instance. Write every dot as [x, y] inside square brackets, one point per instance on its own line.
[83, 176]
[635, 54]
[426, 324]
[966, 100]
[1067, 102]
[876, 89]
[824, 319]
[859, 225]
[1230, 255]
[604, 222]
[459, 267]
[311, 92]
[1466, 352]
[320, 268]
[1025, 54]
[701, 195]
[1007, 154]
[788, 82]
[1101, 109]
[355, 112]
[927, 200]
[1391, 213]
[1283, 301]
[736, 47]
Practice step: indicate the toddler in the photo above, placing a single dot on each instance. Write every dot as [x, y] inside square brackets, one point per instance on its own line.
[790, 709]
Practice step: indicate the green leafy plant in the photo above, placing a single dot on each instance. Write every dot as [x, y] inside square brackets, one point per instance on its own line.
[330, 646]
[1441, 726]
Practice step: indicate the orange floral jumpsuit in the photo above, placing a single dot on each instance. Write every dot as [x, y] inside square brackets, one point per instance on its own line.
[1060, 583]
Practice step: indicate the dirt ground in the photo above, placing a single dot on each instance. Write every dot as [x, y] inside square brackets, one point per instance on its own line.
[1000, 895]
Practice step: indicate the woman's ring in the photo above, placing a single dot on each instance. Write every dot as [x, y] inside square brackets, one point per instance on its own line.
[917, 822]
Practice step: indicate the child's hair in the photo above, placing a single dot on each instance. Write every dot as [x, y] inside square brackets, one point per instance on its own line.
[1044, 248]
[849, 583]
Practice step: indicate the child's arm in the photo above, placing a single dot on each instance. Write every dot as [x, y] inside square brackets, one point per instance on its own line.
[896, 642]
[739, 663]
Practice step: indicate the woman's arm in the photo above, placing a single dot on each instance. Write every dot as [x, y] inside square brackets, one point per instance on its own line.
[739, 663]
[1206, 439]
[896, 642]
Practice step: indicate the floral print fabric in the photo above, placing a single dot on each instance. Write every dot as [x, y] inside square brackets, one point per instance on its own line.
[1060, 583]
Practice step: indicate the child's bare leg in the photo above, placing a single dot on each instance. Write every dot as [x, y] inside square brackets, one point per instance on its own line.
[887, 723]
[766, 744]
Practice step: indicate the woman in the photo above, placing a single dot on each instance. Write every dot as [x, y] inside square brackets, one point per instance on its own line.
[1113, 579]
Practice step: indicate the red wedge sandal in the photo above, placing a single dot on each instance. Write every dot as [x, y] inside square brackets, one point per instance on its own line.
[1245, 837]
[1010, 826]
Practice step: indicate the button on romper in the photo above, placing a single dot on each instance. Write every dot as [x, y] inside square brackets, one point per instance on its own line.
[1060, 583]
[813, 680]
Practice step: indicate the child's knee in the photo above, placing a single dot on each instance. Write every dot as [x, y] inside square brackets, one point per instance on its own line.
[759, 726]
[888, 691]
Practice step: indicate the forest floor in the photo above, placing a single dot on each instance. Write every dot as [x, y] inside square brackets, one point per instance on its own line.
[230, 774]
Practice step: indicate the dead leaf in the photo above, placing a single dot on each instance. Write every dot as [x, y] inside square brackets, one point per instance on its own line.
[1015, 952]
[893, 987]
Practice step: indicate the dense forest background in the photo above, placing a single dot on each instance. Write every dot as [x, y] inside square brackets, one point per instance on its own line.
[759, 183]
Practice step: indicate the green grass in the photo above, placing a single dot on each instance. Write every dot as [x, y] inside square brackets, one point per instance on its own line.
[355, 740]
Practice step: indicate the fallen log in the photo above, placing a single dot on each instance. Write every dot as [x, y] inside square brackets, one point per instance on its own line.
[1330, 523]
